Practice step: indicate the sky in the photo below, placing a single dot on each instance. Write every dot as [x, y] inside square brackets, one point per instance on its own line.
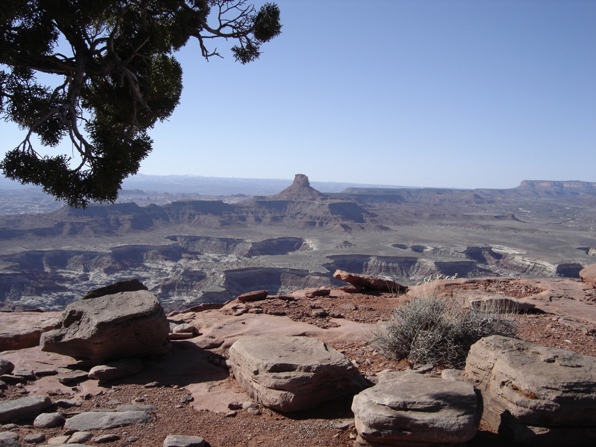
[424, 93]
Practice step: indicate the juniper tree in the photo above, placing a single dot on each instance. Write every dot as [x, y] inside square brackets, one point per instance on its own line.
[114, 75]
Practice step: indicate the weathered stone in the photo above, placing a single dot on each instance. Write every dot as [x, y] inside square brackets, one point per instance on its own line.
[321, 291]
[136, 407]
[45, 372]
[67, 403]
[533, 393]
[21, 330]
[116, 369]
[23, 408]
[514, 432]
[49, 420]
[108, 437]
[368, 282]
[12, 379]
[588, 274]
[72, 377]
[292, 373]
[35, 438]
[9, 439]
[185, 328]
[256, 295]
[183, 441]
[59, 441]
[111, 327]
[502, 304]
[409, 409]
[6, 367]
[102, 420]
[26, 374]
[80, 437]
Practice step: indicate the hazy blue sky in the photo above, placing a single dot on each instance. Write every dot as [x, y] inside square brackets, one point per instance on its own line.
[449, 93]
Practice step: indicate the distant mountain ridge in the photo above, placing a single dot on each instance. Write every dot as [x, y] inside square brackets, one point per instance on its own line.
[557, 185]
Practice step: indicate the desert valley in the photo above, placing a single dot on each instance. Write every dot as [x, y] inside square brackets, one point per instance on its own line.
[257, 329]
[197, 248]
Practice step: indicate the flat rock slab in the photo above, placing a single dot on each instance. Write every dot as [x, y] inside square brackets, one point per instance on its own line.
[20, 330]
[566, 297]
[23, 408]
[409, 409]
[221, 330]
[524, 385]
[292, 373]
[102, 420]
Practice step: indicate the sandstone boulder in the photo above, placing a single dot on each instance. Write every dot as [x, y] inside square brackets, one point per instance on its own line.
[368, 282]
[256, 295]
[111, 327]
[292, 373]
[409, 409]
[534, 394]
[588, 274]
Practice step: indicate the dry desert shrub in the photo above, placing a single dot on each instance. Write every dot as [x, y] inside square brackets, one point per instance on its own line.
[436, 331]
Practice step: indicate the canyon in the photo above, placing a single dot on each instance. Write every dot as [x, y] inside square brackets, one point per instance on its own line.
[195, 248]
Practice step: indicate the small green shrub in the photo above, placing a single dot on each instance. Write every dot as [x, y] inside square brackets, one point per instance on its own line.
[433, 330]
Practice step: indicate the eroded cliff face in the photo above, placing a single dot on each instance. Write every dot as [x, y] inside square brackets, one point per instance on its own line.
[211, 250]
[190, 270]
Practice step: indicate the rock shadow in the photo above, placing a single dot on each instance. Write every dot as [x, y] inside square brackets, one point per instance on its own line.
[185, 364]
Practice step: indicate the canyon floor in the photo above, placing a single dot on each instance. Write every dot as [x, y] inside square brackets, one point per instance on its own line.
[215, 248]
[193, 390]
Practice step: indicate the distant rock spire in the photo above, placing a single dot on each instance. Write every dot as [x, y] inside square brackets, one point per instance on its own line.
[299, 190]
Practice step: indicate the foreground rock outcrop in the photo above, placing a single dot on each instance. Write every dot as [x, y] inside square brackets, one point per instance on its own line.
[535, 395]
[292, 373]
[407, 409]
[190, 392]
[111, 327]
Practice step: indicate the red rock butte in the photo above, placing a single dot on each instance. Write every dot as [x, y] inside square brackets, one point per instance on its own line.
[299, 190]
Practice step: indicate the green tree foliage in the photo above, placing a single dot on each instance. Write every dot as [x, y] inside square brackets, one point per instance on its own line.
[117, 79]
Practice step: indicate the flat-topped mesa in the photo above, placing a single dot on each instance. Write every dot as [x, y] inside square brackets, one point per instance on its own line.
[555, 185]
[299, 190]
